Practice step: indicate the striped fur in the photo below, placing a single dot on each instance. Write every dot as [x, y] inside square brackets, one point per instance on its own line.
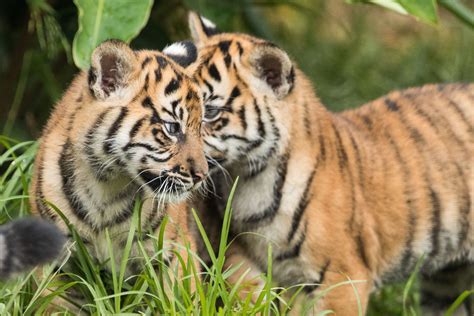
[129, 128]
[359, 195]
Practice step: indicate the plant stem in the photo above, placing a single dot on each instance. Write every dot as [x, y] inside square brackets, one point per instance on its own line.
[459, 10]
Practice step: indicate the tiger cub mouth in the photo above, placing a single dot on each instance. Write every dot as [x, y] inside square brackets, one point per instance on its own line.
[170, 184]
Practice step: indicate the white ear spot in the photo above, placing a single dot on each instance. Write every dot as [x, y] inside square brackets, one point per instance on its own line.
[176, 49]
[184, 53]
[207, 23]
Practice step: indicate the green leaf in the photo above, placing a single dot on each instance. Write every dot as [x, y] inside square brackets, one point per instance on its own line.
[389, 4]
[425, 10]
[100, 20]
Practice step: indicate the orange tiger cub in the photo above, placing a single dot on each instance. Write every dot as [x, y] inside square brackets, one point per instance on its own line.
[130, 127]
[360, 195]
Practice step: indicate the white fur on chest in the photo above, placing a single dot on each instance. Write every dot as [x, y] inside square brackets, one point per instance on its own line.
[255, 195]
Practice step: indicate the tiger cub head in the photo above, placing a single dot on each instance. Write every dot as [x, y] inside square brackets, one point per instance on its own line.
[149, 117]
[244, 81]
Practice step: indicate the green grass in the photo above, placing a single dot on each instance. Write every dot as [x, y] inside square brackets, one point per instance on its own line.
[150, 292]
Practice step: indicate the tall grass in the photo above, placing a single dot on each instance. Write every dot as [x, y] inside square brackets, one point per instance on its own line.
[104, 288]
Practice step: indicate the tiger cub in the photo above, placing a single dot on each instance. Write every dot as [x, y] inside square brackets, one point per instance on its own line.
[361, 195]
[28, 242]
[129, 127]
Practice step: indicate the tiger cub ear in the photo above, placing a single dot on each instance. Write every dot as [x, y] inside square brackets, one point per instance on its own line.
[184, 53]
[273, 66]
[201, 28]
[112, 64]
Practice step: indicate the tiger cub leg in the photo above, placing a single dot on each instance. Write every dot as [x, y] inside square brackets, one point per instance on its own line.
[441, 289]
[342, 290]
[248, 274]
[180, 246]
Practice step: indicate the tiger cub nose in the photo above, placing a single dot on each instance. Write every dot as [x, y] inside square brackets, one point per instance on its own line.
[198, 176]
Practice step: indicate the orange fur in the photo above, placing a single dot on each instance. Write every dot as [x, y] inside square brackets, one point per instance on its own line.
[359, 195]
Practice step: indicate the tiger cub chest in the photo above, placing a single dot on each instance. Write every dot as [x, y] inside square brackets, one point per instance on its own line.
[262, 213]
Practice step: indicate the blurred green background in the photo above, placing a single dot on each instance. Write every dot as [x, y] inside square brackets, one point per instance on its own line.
[353, 53]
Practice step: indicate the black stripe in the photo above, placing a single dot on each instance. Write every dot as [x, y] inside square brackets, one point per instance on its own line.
[162, 62]
[436, 222]
[91, 79]
[43, 210]
[122, 216]
[322, 147]
[158, 75]
[147, 80]
[66, 167]
[172, 86]
[174, 106]
[322, 274]
[220, 124]
[224, 46]
[209, 86]
[341, 152]
[270, 212]
[261, 126]
[94, 161]
[361, 250]
[261, 165]
[159, 159]
[243, 119]
[306, 119]
[406, 261]
[155, 221]
[303, 203]
[391, 105]
[146, 61]
[212, 146]
[138, 144]
[214, 73]
[291, 79]
[147, 103]
[295, 251]
[460, 113]
[360, 168]
[464, 211]
[234, 94]
[367, 121]
[240, 48]
[136, 127]
[441, 122]
[227, 60]
[113, 130]
[225, 137]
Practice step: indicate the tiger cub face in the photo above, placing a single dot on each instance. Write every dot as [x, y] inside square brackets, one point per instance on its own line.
[243, 80]
[148, 124]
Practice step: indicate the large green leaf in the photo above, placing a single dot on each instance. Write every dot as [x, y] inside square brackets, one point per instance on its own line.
[100, 20]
